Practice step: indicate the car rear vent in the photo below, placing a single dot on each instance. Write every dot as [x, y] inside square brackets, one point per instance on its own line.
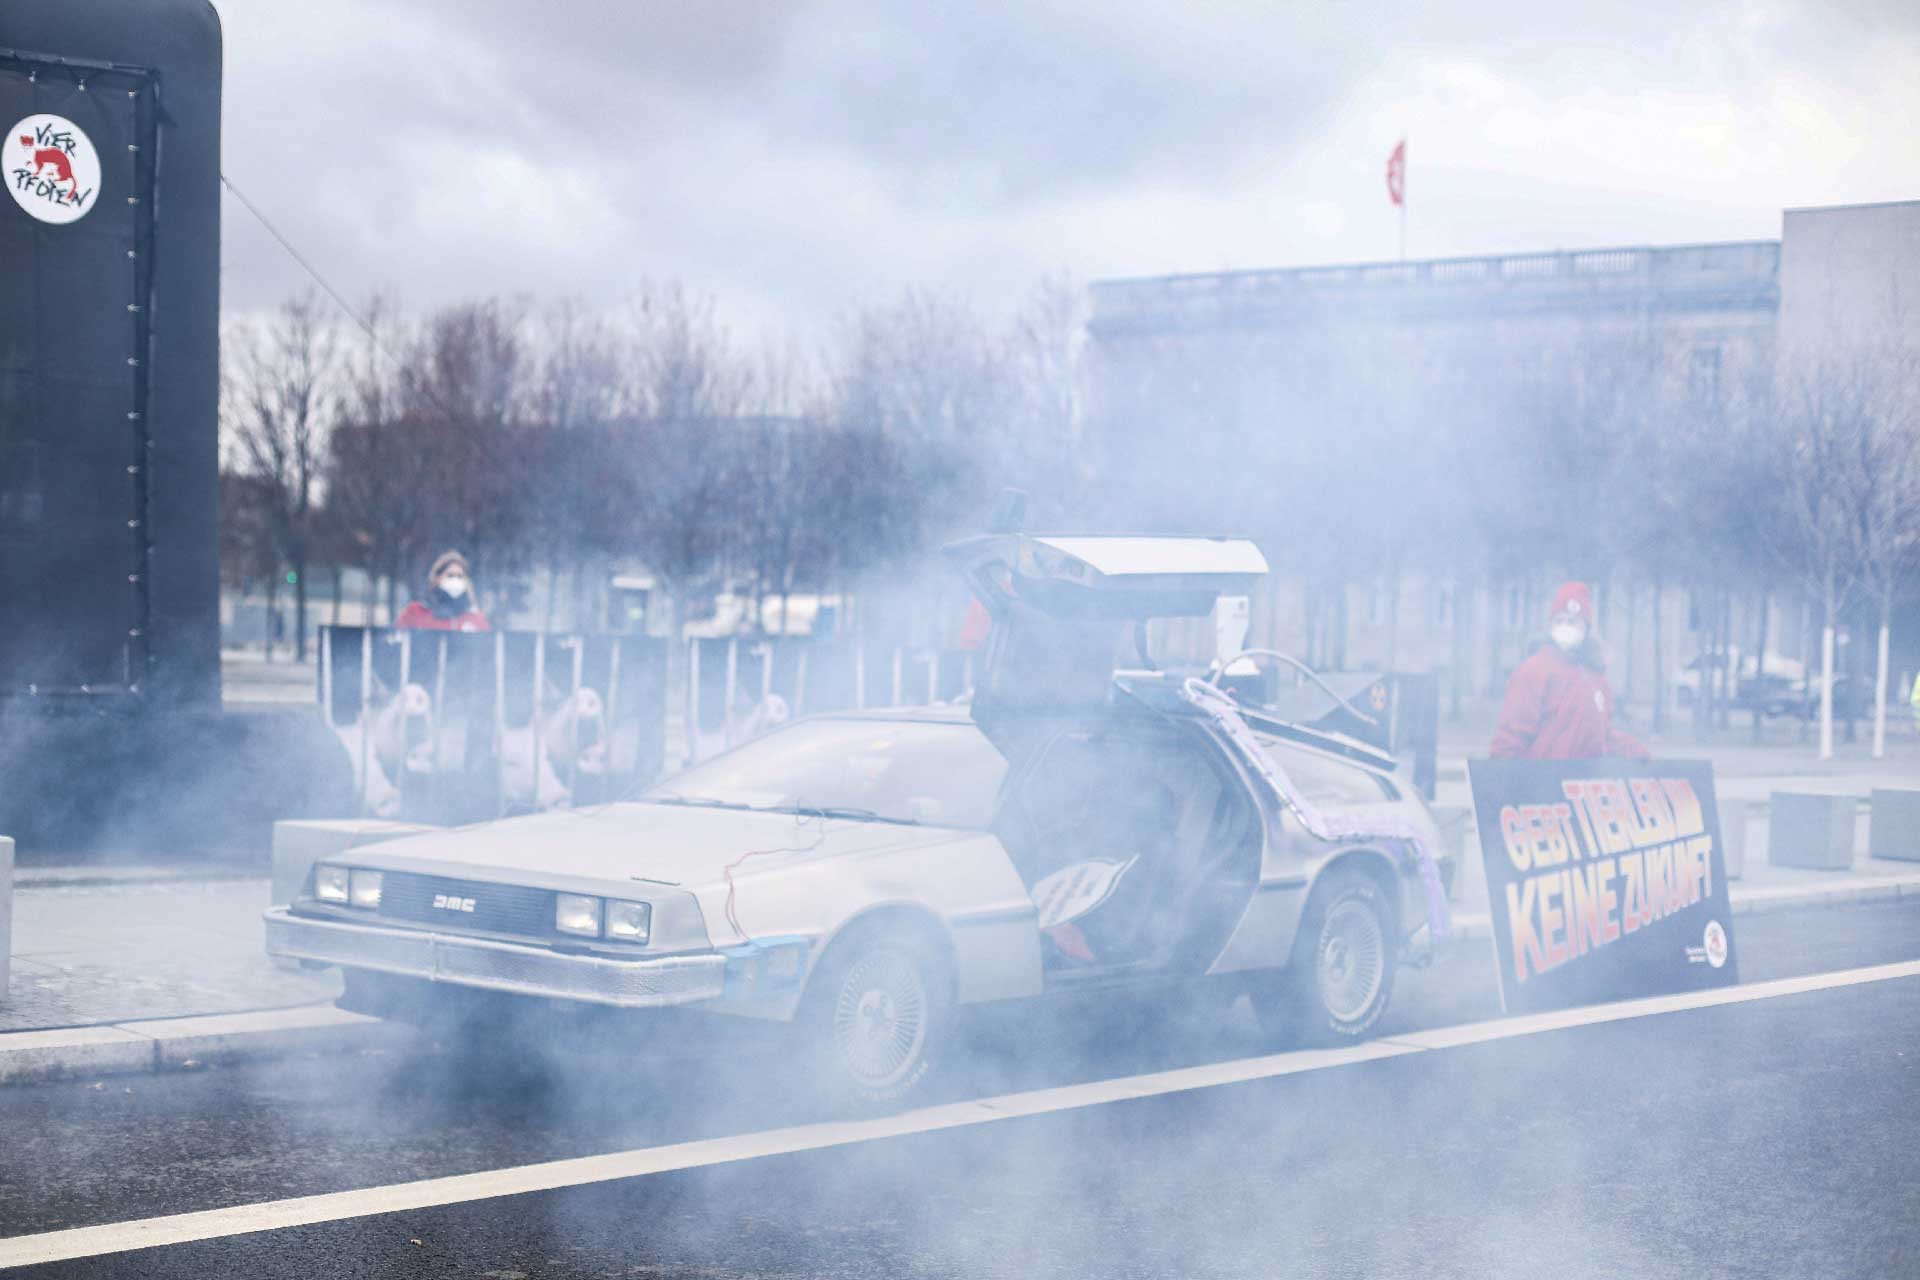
[467, 904]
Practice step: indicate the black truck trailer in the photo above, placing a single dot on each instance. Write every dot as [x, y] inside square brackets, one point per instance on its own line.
[109, 349]
[111, 732]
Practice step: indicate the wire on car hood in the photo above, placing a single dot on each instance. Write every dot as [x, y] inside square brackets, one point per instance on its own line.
[801, 817]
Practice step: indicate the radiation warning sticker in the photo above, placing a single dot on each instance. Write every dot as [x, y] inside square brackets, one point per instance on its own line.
[51, 168]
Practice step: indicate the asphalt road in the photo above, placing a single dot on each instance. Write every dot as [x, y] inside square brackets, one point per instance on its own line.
[1776, 1137]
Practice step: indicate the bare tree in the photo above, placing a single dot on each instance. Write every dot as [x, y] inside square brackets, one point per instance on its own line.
[465, 389]
[672, 461]
[1883, 492]
[583, 385]
[1048, 449]
[1824, 418]
[248, 552]
[281, 397]
[378, 471]
[690, 384]
[926, 374]
[584, 375]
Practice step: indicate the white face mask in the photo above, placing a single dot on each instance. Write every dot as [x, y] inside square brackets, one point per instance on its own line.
[1569, 635]
[454, 585]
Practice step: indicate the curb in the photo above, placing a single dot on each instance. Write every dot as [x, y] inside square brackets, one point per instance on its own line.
[177, 1044]
[1755, 901]
[69, 877]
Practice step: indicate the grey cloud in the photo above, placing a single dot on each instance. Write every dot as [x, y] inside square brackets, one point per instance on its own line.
[796, 157]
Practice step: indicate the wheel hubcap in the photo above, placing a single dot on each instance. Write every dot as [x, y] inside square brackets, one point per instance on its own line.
[880, 1019]
[1352, 960]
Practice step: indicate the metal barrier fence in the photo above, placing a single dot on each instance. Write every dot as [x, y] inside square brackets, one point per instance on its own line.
[739, 687]
[451, 727]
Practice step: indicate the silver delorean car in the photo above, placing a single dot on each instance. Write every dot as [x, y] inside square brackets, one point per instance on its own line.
[1088, 823]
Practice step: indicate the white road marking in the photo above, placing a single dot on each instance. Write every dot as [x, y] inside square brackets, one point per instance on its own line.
[273, 1215]
[1646, 1007]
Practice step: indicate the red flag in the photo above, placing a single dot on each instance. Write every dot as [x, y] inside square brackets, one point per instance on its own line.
[1397, 174]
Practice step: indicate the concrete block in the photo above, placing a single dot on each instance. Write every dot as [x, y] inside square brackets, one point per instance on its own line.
[1893, 828]
[1734, 816]
[299, 843]
[1811, 830]
[6, 915]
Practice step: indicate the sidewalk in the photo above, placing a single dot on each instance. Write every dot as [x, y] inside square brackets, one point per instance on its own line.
[248, 682]
[92, 947]
[145, 969]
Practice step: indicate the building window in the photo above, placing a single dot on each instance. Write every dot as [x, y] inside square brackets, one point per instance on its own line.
[1703, 375]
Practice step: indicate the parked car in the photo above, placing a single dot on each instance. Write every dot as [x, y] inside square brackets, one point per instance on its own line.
[1783, 687]
[1776, 688]
[1852, 699]
[863, 877]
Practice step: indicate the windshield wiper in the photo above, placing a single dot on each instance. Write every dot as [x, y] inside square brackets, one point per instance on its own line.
[839, 811]
[697, 802]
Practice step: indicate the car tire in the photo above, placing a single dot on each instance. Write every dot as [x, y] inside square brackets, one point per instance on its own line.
[876, 1020]
[1340, 980]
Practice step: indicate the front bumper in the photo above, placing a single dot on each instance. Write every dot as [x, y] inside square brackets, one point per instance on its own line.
[496, 966]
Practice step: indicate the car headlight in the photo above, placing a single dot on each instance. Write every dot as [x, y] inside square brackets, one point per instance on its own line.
[629, 921]
[330, 884]
[577, 913]
[363, 889]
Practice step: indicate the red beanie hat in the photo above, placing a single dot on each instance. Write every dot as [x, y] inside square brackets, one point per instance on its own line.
[1572, 598]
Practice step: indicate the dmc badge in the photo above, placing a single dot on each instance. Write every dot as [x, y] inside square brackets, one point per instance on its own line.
[51, 168]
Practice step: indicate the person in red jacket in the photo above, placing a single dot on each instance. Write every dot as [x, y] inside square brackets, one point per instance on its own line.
[1558, 704]
[448, 605]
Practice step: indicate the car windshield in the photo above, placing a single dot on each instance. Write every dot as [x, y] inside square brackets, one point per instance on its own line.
[944, 775]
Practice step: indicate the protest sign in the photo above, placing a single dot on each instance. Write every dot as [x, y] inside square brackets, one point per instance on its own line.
[1605, 879]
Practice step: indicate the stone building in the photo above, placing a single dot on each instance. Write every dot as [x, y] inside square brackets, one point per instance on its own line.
[1259, 347]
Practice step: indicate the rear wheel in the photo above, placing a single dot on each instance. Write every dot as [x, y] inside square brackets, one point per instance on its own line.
[877, 1017]
[1341, 977]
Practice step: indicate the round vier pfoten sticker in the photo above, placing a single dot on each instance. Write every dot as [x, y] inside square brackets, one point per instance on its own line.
[1715, 943]
[50, 168]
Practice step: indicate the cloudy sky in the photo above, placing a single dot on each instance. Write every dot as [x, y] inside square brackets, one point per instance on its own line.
[796, 160]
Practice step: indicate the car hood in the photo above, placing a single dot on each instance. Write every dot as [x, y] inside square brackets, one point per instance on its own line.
[659, 844]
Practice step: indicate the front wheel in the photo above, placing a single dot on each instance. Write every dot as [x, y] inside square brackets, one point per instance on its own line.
[876, 1019]
[1341, 976]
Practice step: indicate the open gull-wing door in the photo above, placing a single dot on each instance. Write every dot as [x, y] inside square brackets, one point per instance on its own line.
[1063, 605]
